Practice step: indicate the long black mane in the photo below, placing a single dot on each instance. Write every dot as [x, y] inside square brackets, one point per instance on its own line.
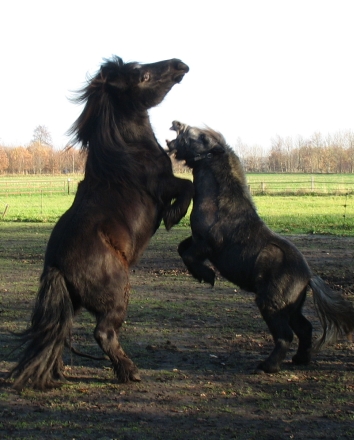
[98, 129]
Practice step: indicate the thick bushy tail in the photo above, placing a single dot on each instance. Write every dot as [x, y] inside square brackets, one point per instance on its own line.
[335, 313]
[41, 363]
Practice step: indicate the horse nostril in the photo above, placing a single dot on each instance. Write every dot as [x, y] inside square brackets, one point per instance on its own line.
[179, 65]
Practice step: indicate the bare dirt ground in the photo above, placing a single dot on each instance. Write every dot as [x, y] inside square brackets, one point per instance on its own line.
[196, 348]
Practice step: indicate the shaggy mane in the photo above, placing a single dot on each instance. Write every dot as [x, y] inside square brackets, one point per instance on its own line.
[96, 130]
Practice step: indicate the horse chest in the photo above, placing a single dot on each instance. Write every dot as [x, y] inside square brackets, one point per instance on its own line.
[204, 213]
[205, 209]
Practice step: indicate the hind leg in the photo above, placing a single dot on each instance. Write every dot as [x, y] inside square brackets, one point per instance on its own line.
[303, 330]
[282, 336]
[278, 324]
[110, 308]
[106, 334]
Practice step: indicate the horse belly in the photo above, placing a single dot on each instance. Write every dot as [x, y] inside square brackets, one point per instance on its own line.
[231, 266]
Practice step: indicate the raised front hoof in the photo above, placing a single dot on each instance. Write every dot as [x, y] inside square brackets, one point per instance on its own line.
[168, 224]
[301, 359]
[208, 277]
[267, 367]
[207, 281]
[170, 220]
[210, 280]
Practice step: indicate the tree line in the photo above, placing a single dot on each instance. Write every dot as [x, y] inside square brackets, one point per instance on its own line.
[40, 157]
[316, 154]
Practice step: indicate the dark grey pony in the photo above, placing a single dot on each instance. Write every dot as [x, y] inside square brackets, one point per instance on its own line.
[228, 232]
[128, 189]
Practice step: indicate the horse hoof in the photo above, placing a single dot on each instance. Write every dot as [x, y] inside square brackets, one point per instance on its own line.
[299, 359]
[267, 368]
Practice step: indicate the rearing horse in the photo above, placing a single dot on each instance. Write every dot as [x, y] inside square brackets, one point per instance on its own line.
[127, 190]
[227, 231]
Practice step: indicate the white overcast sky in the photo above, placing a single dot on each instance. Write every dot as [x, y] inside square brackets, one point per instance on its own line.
[258, 68]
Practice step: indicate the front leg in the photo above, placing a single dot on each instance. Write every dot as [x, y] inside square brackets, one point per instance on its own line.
[193, 254]
[179, 193]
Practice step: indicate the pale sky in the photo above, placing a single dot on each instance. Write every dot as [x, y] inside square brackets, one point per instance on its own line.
[258, 68]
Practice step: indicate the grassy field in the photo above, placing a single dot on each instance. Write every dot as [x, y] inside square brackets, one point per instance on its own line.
[301, 183]
[259, 183]
[41, 184]
[285, 214]
[30, 199]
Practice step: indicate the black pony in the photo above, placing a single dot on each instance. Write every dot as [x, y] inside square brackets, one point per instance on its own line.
[227, 231]
[127, 190]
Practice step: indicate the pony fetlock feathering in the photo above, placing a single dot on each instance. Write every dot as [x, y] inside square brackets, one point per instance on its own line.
[127, 190]
[227, 231]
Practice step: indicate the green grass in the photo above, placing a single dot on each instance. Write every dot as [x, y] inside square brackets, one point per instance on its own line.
[301, 183]
[38, 184]
[259, 183]
[308, 214]
[285, 214]
[302, 213]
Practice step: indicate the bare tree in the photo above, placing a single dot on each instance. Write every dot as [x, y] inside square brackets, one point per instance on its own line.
[277, 156]
[42, 136]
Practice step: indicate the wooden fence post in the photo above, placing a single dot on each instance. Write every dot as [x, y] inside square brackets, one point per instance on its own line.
[5, 210]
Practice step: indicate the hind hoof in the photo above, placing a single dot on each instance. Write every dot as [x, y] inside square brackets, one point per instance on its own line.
[266, 367]
[303, 359]
[135, 376]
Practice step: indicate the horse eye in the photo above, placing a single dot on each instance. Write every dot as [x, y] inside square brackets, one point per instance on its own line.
[146, 77]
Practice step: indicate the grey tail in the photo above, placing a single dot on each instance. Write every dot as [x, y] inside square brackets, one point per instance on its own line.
[335, 313]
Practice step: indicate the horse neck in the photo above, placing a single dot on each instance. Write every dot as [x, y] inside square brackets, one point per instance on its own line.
[205, 183]
[135, 128]
[225, 175]
[120, 148]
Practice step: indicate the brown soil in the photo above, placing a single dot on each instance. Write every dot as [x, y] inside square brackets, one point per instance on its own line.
[196, 348]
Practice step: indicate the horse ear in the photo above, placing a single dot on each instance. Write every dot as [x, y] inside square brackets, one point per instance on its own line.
[218, 149]
[202, 137]
[110, 74]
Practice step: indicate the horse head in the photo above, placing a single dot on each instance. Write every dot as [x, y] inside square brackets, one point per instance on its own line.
[115, 115]
[193, 144]
[122, 89]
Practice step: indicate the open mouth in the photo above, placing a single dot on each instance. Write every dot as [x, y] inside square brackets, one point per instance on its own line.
[171, 146]
[179, 78]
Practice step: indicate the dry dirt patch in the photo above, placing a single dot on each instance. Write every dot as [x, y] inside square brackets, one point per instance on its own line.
[196, 348]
